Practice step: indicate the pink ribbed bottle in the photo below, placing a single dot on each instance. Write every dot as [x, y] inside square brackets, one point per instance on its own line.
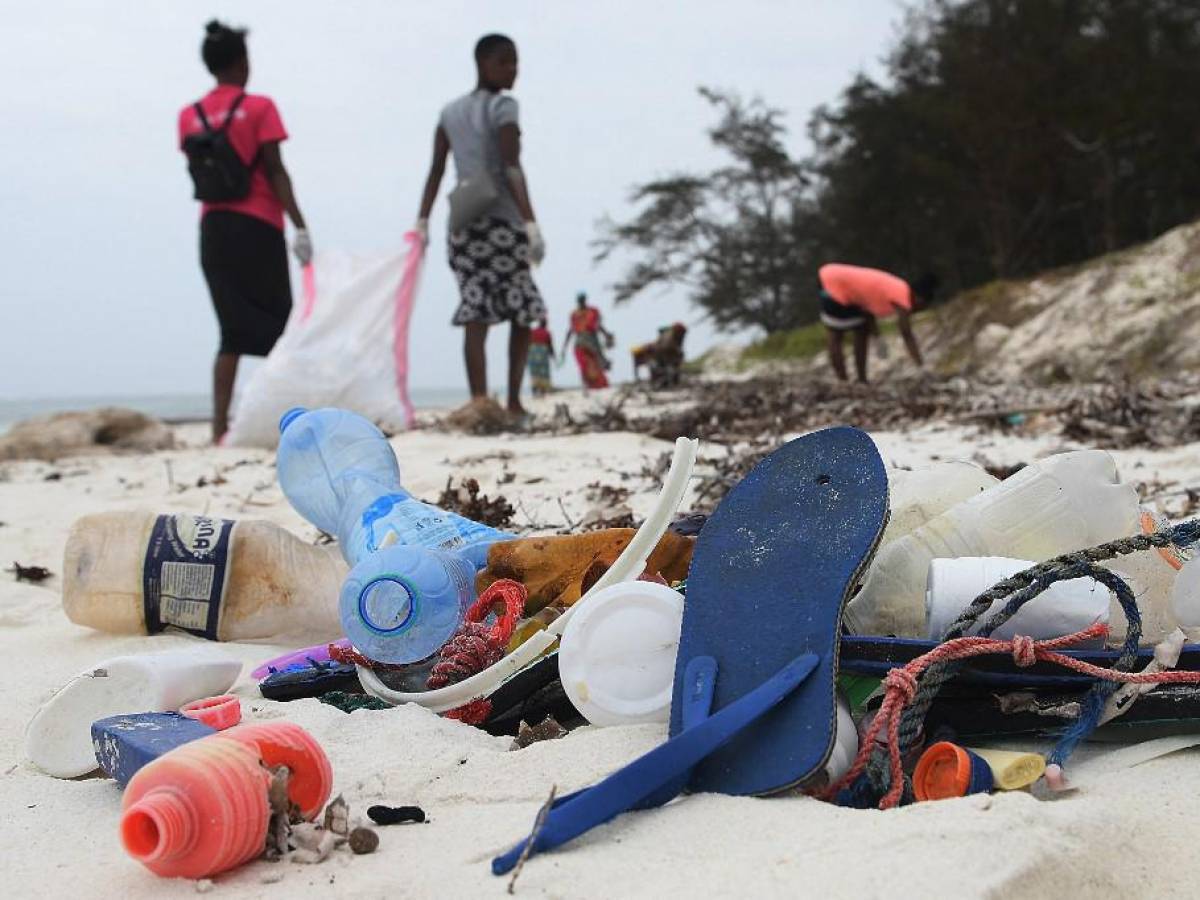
[202, 808]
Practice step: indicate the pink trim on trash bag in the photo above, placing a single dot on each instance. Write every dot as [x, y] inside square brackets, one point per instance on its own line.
[308, 291]
[406, 295]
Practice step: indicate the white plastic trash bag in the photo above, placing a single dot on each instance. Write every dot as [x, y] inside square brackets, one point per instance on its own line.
[345, 344]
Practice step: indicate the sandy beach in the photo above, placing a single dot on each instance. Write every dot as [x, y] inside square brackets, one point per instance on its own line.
[1127, 836]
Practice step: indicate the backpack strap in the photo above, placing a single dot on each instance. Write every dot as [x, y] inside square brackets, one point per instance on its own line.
[232, 110]
[201, 116]
[199, 107]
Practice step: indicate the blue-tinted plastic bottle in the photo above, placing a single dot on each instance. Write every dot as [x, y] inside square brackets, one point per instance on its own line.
[340, 473]
[413, 564]
[401, 604]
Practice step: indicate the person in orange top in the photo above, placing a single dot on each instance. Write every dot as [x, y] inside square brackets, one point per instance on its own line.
[854, 298]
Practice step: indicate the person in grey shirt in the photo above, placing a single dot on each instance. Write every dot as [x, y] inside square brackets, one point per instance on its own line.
[495, 236]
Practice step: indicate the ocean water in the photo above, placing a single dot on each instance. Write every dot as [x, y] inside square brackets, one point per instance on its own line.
[175, 407]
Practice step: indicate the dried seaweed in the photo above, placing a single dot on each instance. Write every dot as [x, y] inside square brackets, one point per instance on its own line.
[466, 500]
[32, 574]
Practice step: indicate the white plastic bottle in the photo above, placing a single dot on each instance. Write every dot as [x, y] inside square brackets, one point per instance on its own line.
[1185, 599]
[1062, 503]
[139, 573]
[918, 495]
[58, 739]
[1064, 607]
[1151, 575]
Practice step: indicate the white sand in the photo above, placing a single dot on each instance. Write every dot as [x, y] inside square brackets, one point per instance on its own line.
[60, 837]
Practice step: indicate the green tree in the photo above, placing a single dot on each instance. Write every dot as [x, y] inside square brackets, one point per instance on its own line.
[734, 237]
[1013, 136]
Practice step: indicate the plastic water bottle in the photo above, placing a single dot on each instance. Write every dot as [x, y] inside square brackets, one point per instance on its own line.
[1151, 575]
[340, 473]
[1185, 598]
[140, 573]
[202, 808]
[918, 495]
[401, 604]
[1062, 503]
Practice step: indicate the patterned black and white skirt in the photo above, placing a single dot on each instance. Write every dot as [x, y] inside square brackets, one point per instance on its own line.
[490, 259]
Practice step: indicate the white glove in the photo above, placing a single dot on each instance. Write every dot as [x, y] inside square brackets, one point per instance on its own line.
[537, 243]
[302, 246]
[422, 229]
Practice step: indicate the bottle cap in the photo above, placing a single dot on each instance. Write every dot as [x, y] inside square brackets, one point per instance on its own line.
[617, 659]
[290, 416]
[947, 770]
[215, 712]
[400, 604]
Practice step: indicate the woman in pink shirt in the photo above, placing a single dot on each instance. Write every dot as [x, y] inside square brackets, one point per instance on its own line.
[853, 298]
[231, 139]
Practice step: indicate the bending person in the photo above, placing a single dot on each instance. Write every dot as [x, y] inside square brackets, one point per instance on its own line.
[854, 298]
[493, 234]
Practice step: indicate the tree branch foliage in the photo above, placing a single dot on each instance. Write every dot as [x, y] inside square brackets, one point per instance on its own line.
[1011, 136]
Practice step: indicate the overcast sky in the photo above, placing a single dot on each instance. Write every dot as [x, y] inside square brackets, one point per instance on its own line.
[102, 291]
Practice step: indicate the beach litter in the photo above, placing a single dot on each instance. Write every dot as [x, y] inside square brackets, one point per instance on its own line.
[395, 815]
[977, 609]
[31, 574]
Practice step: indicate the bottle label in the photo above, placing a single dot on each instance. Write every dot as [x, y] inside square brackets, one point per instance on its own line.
[185, 574]
[422, 525]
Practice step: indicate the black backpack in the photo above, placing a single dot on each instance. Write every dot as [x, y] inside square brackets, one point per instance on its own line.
[218, 173]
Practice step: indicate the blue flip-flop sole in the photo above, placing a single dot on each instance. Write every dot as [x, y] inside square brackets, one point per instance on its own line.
[770, 576]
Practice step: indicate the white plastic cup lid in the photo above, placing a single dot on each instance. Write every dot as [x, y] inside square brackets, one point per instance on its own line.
[617, 659]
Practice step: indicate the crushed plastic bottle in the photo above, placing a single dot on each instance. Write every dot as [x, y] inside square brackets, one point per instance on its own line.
[340, 473]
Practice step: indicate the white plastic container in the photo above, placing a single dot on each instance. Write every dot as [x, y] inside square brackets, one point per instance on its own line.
[1062, 503]
[139, 573]
[1185, 599]
[918, 495]
[58, 739]
[1151, 575]
[617, 659]
[1063, 608]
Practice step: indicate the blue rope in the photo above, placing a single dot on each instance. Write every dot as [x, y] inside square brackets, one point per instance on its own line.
[1020, 589]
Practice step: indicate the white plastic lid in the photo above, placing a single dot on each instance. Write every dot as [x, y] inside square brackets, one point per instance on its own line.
[617, 659]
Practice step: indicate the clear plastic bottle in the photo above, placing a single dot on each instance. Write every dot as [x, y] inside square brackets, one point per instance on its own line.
[1151, 575]
[1185, 598]
[918, 495]
[340, 473]
[138, 573]
[1062, 503]
[400, 604]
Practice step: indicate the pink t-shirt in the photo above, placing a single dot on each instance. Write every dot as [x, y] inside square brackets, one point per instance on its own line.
[255, 123]
[871, 290]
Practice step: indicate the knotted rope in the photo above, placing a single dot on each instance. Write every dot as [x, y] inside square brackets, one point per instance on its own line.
[475, 646]
[877, 772]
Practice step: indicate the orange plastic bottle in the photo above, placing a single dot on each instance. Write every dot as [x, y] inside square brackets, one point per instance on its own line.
[202, 808]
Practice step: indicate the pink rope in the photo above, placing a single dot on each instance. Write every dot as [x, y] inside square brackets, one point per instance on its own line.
[900, 686]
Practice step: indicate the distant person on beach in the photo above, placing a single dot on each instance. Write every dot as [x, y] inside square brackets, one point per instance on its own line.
[494, 236]
[541, 352]
[231, 139]
[854, 298]
[587, 329]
